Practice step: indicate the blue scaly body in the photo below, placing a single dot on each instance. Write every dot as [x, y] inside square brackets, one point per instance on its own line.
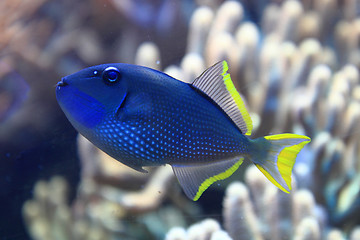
[174, 124]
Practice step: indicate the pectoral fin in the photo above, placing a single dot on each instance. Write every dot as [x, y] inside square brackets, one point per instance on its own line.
[134, 106]
[195, 179]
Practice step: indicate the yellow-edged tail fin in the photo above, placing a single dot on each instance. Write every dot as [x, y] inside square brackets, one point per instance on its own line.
[280, 158]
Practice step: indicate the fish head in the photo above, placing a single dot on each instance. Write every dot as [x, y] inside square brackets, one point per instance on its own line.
[92, 94]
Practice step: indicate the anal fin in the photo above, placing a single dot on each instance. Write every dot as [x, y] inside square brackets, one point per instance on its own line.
[195, 179]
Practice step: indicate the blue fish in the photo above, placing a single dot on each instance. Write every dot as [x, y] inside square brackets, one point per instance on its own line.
[143, 117]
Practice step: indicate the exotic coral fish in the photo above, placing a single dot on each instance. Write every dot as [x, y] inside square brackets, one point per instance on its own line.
[143, 117]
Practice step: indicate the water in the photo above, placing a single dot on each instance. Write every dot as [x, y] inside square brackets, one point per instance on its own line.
[294, 62]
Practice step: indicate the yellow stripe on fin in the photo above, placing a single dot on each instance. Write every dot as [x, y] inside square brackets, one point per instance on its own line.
[287, 136]
[220, 176]
[195, 179]
[281, 158]
[268, 176]
[216, 83]
[237, 98]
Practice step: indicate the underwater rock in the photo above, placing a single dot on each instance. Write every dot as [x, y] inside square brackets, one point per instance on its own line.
[13, 90]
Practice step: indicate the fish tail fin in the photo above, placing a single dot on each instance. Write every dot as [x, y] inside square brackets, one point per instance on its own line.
[279, 157]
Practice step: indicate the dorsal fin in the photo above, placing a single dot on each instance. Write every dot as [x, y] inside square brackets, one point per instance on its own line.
[216, 83]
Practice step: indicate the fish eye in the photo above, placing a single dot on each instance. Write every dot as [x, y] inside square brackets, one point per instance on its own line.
[111, 75]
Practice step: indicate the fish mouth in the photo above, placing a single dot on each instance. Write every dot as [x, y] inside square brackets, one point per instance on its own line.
[62, 83]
